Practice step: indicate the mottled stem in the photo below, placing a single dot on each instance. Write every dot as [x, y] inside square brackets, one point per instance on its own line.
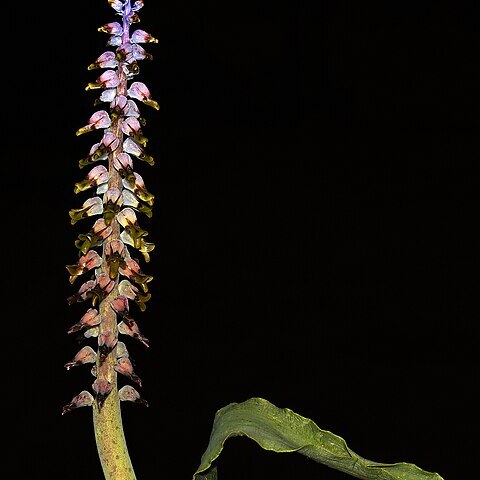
[107, 420]
[111, 444]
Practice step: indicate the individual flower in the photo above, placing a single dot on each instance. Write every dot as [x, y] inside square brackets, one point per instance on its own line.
[140, 91]
[133, 272]
[91, 206]
[124, 366]
[100, 119]
[115, 252]
[132, 127]
[137, 186]
[131, 200]
[108, 79]
[113, 201]
[112, 28]
[95, 237]
[85, 263]
[130, 291]
[83, 399]
[102, 389]
[106, 343]
[141, 36]
[89, 319]
[86, 355]
[131, 329]
[128, 394]
[96, 176]
[132, 147]
[97, 152]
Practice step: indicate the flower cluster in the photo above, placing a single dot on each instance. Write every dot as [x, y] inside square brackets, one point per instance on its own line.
[106, 253]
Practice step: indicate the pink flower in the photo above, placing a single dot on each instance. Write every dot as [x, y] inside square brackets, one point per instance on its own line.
[131, 329]
[128, 394]
[107, 59]
[85, 355]
[85, 263]
[97, 176]
[112, 28]
[92, 206]
[108, 79]
[124, 366]
[89, 319]
[140, 91]
[83, 399]
[141, 36]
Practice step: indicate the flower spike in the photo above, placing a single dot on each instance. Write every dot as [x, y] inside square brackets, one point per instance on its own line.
[106, 250]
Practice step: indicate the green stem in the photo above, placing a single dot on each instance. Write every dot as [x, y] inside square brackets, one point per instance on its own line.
[107, 420]
[111, 445]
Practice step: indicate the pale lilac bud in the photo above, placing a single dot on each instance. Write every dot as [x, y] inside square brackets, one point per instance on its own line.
[137, 5]
[117, 5]
[114, 41]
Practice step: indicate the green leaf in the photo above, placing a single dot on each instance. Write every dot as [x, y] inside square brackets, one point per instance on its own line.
[282, 430]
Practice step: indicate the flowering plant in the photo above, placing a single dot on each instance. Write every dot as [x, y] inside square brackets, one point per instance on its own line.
[110, 258]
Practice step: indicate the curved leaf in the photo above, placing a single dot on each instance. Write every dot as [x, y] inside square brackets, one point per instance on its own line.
[282, 430]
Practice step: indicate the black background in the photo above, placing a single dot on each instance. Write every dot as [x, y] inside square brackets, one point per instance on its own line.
[315, 223]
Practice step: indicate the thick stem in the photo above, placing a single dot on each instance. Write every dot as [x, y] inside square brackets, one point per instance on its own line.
[111, 445]
[107, 419]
